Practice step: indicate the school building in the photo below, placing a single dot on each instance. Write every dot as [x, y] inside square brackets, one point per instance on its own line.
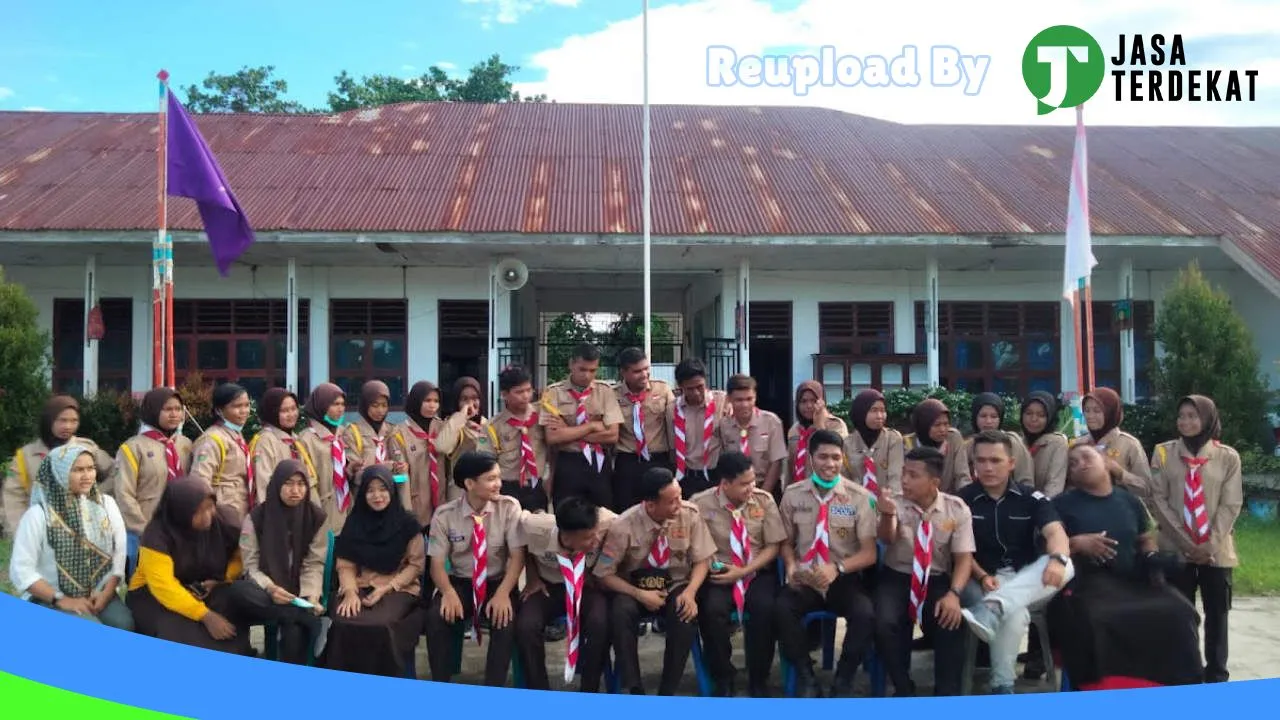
[790, 243]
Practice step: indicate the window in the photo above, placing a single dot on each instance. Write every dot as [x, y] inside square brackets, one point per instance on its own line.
[1007, 348]
[1107, 345]
[847, 328]
[368, 340]
[240, 341]
[115, 351]
[464, 342]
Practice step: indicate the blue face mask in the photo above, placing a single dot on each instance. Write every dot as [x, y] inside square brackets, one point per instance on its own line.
[230, 425]
[335, 423]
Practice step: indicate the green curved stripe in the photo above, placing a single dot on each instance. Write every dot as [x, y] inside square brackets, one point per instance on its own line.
[45, 701]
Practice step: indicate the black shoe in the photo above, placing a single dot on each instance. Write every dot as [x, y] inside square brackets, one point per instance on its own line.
[806, 683]
[842, 685]
[759, 691]
[725, 689]
[554, 632]
[1034, 670]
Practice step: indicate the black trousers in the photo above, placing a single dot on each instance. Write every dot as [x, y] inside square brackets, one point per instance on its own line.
[537, 610]
[1215, 587]
[440, 637]
[894, 630]
[847, 597]
[695, 481]
[533, 499]
[575, 477]
[297, 628]
[627, 470]
[624, 618]
[715, 606]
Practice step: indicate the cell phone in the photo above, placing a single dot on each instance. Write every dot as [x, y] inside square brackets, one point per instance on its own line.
[299, 602]
[719, 568]
[400, 479]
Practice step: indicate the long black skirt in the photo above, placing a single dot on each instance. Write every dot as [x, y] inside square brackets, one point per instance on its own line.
[152, 618]
[379, 640]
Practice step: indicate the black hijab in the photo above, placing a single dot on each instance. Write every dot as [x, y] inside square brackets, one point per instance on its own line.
[370, 393]
[923, 418]
[986, 399]
[1050, 405]
[285, 533]
[858, 411]
[376, 540]
[197, 555]
[418, 394]
[52, 409]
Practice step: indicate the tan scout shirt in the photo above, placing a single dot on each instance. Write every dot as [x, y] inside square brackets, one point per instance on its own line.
[543, 536]
[657, 432]
[834, 424]
[408, 579]
[1023, 470]
[311, 584]
[955, 474]
[415, 447]
[766, 439]
[457, 436]
[764, 523]
[142, 472]
[452, 527]
[218, 460]
[272, 446]
[887, 454]
[363, 443]
[24, 469]
[851, 518]
[505, 441]
[952, 533]
[632, 535]
[1223, 497]
[318, 439]
[1126, 450]
[696, 456]
[557, 402]
[1049, 462]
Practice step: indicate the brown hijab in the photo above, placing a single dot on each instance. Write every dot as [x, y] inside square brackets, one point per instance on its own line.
[52, 409]
[1112, 411]
[197, 555]
[151, 406]
[324, 395]
[455, 397]
[1210, 422]
[923, 418]
[269, 407]
[371, 392]
[858, 410]
[808, 386]
[285, 533]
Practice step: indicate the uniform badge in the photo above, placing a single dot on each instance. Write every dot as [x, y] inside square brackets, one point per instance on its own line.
[457, 537]
[948, 525]
[756, 513]
[677, 555]
[150, 454]
[842, 533]
[842, 511]
[678, 533]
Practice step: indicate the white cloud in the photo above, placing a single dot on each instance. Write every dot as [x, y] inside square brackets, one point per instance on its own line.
[508, 12]
[408, 69]
[446, 65]
[35, 109]
[6, 93]
[605, 66]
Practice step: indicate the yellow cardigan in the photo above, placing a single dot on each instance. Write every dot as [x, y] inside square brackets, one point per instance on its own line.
[155, 572]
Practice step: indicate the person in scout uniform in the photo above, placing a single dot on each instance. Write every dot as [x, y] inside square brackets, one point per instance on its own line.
[417, 438]
[693, 418]
[581, 418]
[1197, 489]
[831, 526]
[927, 534]
[370, 435]
[811, 416]
[872, 452]
[58, 425]
[221, 454]
[656, 556]
[987, 413]
[148, 461]
[518, 441]
[477, 551]
[644, 438]
[464, 427]
[747, 529]
[931, 421]
[756, 433]
[562, 553]
[276, 442]
[1126, 460]
[336, 467]
[1047, 447]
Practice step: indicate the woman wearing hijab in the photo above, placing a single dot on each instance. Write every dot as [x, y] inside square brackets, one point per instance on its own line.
[336, 465]
[464, 425]
[380, 557]
[1198, 492]
[811, 416]
[279, 411]
[58, 425]
[931, 421]
[186, 588]
[222, 454]
[69, 551]
[987, 413]
[146, 462]
[1124, 456]
[370, 434]
[1046, 446]
[417, 439]
[284, 547]
[873, 453]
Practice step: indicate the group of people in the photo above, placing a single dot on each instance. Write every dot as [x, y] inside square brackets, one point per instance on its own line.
[604, 508]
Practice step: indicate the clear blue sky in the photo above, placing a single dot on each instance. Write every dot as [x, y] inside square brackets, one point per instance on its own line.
[77, 55]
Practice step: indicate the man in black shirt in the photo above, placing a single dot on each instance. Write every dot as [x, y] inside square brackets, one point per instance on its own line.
[1009, 573]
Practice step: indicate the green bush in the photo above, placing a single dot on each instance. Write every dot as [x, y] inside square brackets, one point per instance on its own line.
[197, 395]
[25, 359]
[108, 418]
[900, 402]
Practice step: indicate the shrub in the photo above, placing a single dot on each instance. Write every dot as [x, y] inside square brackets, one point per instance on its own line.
[108, 418]
[25, 359]
[900, 402]
[197, 395]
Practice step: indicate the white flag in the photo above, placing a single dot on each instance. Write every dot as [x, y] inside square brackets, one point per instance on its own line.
[1079, 260]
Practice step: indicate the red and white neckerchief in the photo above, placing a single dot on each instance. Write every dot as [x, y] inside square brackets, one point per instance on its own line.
[821, 547]
[479, 572]
[637, 401]
[744, 435]
[708, 428]
[801, 470]
[171, 461]
[740, 546]
[869, 480]
[921, 564]
[528, 458]
[572, 570]
[379, 449]
[291, 442]
[1195, 515]
[591, 451]
[248, 465]
[433, 462]
[659, 552]
[338, 458]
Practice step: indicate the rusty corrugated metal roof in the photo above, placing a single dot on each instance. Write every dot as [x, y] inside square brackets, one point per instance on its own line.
[717, 170]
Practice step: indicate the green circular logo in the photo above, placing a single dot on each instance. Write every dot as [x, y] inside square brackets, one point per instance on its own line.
[1063, 66]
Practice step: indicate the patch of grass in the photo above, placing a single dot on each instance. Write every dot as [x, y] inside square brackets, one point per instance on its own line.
[1257, 544]
[6, 546]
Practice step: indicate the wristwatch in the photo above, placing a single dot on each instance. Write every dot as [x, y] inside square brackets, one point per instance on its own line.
[1062, 559]
[57, 595]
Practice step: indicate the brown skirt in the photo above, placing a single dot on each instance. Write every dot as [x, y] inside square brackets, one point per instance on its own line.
[152, 618]
[378, 641]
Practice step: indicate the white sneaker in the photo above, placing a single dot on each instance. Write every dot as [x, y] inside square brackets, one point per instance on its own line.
[983, 621]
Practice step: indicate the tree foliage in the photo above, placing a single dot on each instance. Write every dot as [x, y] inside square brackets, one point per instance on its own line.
[1209, 350]
[248, 90]
[25, 359]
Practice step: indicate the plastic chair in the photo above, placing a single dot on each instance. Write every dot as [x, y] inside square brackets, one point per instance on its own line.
[271, 633]
[1041, 623]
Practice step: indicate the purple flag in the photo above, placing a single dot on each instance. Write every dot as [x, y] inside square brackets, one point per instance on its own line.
[194, 173]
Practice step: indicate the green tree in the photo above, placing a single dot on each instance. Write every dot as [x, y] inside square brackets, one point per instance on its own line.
[248, 90]
[628, 331]
[1209, 350]
[487, 82]
[564, 333]
[25, 360]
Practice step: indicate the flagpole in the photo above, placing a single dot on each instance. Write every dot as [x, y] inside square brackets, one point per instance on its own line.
[1088, 283]
[158, 248]
[645, 161]
[170, 368]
